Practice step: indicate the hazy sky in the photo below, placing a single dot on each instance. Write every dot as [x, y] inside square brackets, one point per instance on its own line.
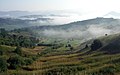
[75, 5]
[86, 8]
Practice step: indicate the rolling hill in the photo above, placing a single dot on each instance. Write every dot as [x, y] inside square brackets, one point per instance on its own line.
[14, 23]
[96, 55]
[91, 28]
[82, 60]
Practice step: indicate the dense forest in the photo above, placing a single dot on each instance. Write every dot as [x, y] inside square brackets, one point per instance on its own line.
[12, 39]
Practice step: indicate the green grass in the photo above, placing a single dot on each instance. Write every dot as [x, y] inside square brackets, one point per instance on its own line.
[62, 61]
[75, 63]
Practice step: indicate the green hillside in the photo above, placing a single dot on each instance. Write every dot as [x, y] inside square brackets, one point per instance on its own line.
[82, 59]
[25, 52]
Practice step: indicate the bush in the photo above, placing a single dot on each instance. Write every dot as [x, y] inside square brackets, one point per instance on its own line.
[96, 45]
[3, 64]
[28, 61]
[18, 50]
[107, 70]
[15, 62]
[1, 52]
[65, 70]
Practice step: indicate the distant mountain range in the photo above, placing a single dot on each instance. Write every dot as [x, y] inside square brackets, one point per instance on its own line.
[99, 21]
[26, 14]
[13, 13]
[53, 18]
[112, 14]
[14, 23]
[90, 28]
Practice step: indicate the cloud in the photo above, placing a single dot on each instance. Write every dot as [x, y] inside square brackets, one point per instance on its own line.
[91, 31]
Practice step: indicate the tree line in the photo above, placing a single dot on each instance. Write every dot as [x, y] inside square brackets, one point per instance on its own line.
[9, 39]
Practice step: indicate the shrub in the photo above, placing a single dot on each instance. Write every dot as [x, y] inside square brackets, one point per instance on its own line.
[1, 52]
[18, 50]
[65, 70]
[107, 70]
[96, 44]
[28, 61]
[15, 62]
[3, 64]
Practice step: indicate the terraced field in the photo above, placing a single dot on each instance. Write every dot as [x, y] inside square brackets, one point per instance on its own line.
[96, 63]
[81, 60]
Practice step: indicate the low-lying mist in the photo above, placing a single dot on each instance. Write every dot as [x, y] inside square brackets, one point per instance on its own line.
[91, 31]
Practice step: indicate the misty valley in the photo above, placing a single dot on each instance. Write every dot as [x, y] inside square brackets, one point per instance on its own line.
[87, 47]
[59, 37]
